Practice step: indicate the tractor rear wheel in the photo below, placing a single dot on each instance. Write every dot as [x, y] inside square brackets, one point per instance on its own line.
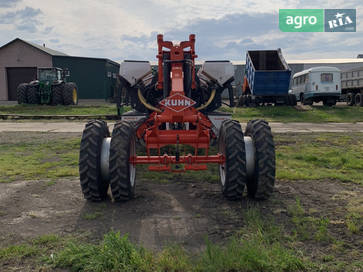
[262, 184]
[70, 95]
[33, 94]
[57, 94]
[21, 93]
[233, 173]
[122, 172]
[94, 187]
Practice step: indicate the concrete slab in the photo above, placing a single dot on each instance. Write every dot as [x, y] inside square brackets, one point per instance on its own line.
[275, 126]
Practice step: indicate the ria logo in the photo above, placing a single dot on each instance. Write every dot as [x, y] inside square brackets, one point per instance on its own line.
[177, 102]
[340, 20]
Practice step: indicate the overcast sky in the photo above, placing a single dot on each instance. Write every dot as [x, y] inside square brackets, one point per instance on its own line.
[127, 29]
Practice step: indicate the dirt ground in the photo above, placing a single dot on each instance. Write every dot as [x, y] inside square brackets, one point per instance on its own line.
[182, 212]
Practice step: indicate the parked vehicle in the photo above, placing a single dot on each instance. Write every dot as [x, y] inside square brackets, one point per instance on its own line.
[50, 88]
[352, 87]
[317, 84]
[266, 80]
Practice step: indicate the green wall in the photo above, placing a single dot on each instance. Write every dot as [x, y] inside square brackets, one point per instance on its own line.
[90, 74]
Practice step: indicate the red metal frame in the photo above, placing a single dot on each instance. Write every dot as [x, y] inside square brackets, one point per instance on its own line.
[153, 131]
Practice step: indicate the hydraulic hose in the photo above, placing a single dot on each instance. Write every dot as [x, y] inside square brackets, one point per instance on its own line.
[208, 102]
[144, 102]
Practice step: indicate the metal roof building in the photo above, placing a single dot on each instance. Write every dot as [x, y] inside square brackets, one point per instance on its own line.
[19, 60]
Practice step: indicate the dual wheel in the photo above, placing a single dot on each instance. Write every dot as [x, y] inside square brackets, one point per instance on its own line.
[62, 94]
[249, 159]
[104, 161]
[355, 99]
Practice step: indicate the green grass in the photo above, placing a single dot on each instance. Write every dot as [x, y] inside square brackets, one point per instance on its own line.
[318, 156]
[308, 227]
[92, 215]
[333, 156]
[315, 114]
[258, 247]
[107, 109]
[39, 158]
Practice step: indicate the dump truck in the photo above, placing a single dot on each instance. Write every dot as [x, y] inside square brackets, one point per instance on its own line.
[50, 87]
[266, 79]
[352, 86]
[174, 126]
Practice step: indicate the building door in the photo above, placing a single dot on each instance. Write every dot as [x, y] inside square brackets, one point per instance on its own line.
[17, 75]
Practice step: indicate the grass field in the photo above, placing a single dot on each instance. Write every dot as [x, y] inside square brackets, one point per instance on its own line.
[299, 157]
[314, 114]
[298, 237]
[106, 109]
[262, 250]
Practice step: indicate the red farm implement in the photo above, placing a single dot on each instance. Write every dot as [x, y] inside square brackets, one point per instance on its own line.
[174, 106]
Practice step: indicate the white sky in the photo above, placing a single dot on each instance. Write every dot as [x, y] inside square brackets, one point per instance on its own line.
[127, 29]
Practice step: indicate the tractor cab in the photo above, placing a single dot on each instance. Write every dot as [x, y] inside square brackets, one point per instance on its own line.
[51, 74]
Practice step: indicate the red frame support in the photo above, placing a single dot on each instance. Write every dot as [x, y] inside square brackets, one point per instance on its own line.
[154, 131]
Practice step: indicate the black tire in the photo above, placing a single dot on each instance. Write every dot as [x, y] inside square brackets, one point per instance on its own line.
[233, 174]
[305, 101]
[292, 100]
[241, 101]
[70, 94]
[249, 101]
[94, 187]
[33, 94]
[261, 186]
[359, 99]
[122, 173]
[21, 93]
[329, 102]
[57, 94]
[350, 99]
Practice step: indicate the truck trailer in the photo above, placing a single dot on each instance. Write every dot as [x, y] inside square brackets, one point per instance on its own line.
[266, 80]
[352, 86]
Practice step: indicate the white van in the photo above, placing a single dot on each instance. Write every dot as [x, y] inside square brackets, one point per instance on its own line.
[317, 84]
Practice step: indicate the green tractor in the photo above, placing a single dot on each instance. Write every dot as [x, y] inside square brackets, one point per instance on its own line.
[50, 88]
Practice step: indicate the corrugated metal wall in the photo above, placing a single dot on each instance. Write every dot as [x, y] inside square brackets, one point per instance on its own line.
[94, 77]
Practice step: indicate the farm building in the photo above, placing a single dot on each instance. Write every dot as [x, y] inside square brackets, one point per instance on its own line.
[19, 60]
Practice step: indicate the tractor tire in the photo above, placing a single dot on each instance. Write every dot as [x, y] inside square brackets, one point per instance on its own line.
[21, 93]
[233, 173]
[122, 173]
[57, 94]
[33, 95]
[261, 186]
[359, 99]
[94, 187]
[70, 95]
[350, 99]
